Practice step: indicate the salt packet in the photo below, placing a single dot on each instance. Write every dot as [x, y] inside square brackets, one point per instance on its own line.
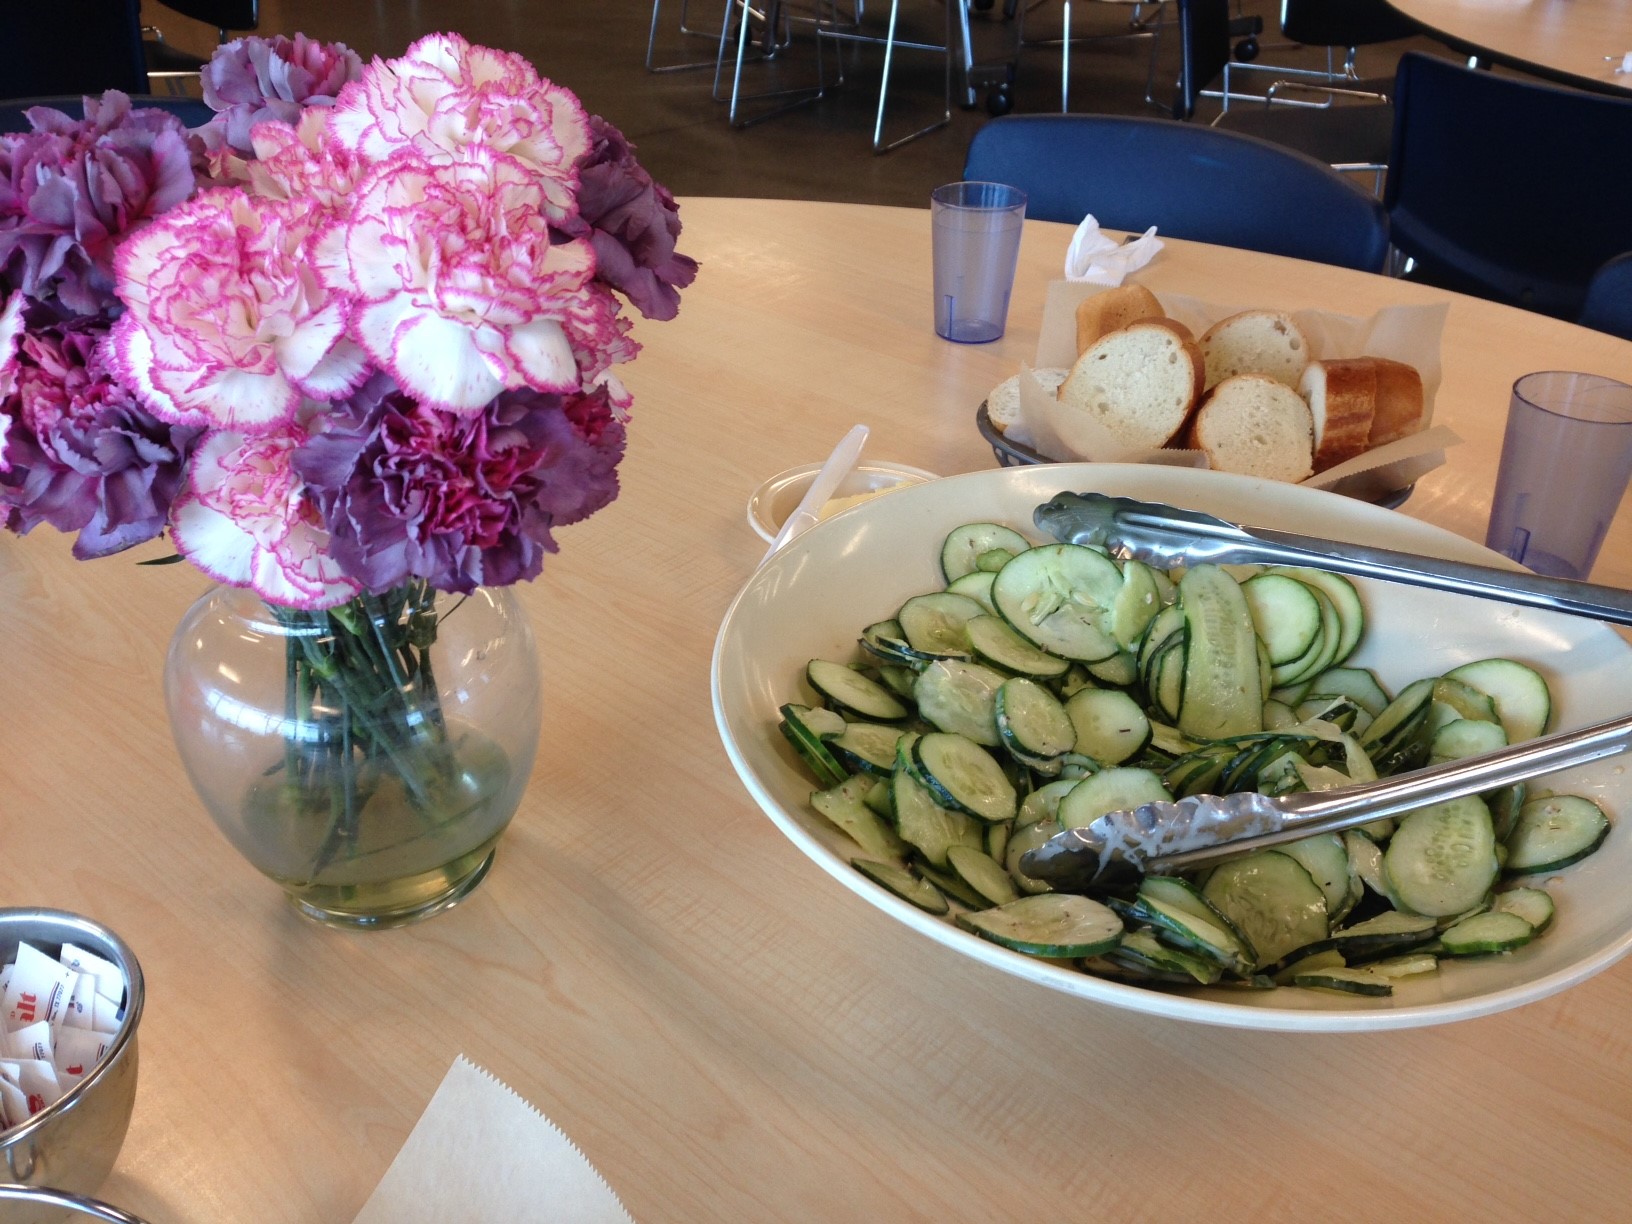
[58, 1019]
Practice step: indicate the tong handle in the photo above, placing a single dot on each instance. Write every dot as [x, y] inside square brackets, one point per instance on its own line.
[1345, 807]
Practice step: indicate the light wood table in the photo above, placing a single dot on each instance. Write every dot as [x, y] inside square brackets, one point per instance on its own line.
[727, 1034]
[1566, 40]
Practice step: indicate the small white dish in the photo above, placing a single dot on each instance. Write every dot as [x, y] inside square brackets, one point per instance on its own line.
[779, 496]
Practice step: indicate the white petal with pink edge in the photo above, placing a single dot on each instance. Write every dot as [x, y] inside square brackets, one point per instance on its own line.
[437, 360]
[543, 354]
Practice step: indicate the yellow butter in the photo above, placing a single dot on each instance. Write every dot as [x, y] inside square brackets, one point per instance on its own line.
[836, 504]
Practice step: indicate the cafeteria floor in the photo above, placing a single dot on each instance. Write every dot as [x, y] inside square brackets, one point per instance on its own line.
[821, 151]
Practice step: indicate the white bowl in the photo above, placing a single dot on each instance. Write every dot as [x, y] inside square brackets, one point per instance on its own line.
[779, 496]
[813, 597]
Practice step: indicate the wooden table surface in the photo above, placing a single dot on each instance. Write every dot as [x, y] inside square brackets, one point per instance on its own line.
[1567, 40]
[727, 1034]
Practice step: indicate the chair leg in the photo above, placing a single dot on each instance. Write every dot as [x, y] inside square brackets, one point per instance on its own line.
[774, 17]
[957, 29]
[1065, 59]
[651, 39]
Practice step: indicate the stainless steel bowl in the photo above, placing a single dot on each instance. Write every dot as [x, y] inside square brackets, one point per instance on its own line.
[71, 1146]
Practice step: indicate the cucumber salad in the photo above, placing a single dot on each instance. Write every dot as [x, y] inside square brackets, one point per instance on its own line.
[1044, 685]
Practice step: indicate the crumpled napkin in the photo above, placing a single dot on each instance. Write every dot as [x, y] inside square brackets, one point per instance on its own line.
[1099, 259]
[1626, 63]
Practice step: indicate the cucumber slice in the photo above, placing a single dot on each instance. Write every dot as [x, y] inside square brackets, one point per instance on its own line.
[1411, 964]
[997, 840]
[953, 886]
[845, 806]
[1059, 597]
[1326, 958]
[1398, 737]
[1345, 601]
[1121, 670]
[1110, 790]
[823, 724]
[904, 884]
[1108, 725]
[812, 751]
[963, 775]
[1142, 950]
[1322, 651]
[1285, 614]
[1492, 931]
[1028, 837]
[1465, 737]
[983, 874]
[885, 642]
[1044, 802]
[1327, 863]
[1032, 723]
[994, 642]
[927, 826]
[1523, 701]
[961, 698]
[1356, 683]
[1441, 860]
[1464, 700]
[1222, 694]
[1178, 911]
[1052, 924]
[1366, 856]
[1136, 604]
[1554, 831]
[933, 624]
[1345, 981]
[866, 748]
[962, 549]
[1531, 904]
[1271, 900]
[845, 687]
[976, 586]
[992, 560]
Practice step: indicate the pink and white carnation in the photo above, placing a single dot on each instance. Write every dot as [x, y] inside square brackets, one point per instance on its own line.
[245, 520]
[300, 163]
[445, 97]
[227, 323]
[460, 287]
[252, 81]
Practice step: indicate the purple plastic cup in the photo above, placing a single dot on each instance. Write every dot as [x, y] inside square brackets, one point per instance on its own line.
[1566, 460]
[977, 244]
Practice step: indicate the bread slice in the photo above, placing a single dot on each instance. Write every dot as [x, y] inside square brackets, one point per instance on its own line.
[1400, 405]
[1341, 395]
[1256, 426]
[1003, 403]
[1255, 342]
[1113, 310]
[1140, 383]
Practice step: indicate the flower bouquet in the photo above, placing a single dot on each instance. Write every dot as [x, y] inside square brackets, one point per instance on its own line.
[351, 345]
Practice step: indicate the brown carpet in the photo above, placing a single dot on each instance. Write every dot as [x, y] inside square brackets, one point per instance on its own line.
[820, 151]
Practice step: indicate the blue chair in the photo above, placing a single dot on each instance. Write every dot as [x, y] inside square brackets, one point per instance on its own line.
[1191, 182]
[1504, 188]
[14, 113]
[1608, 306]
[70, 47]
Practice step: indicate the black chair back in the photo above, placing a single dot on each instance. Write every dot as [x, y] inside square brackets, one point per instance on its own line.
[70, 47]
[1190, 182]
[222, 14]
[1504, 188]
[1204, 49]
[14, 113]
[1344, 23]
[1608, 306]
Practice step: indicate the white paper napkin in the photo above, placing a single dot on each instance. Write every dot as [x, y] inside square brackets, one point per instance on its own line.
[1099, 259]
[480, 1152]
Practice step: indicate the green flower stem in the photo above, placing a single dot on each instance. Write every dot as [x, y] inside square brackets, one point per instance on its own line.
[360, 674]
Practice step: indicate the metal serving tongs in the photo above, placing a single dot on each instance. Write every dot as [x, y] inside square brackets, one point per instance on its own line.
[1168, 536]
[1159, 838]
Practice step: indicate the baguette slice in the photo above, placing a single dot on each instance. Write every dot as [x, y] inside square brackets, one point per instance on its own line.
[1400, 403]
[1113, 310]
[1253, 425]
[1264, 342]
[1140, 384]
[1003, 404]
[1342, 396]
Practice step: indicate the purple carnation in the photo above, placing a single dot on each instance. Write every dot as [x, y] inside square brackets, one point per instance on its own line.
[634, 224]
[263, 80]
[71, 189]
[461, 499]
[80, 453]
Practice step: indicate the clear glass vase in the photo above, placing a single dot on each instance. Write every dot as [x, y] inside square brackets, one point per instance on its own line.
[366, 757]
